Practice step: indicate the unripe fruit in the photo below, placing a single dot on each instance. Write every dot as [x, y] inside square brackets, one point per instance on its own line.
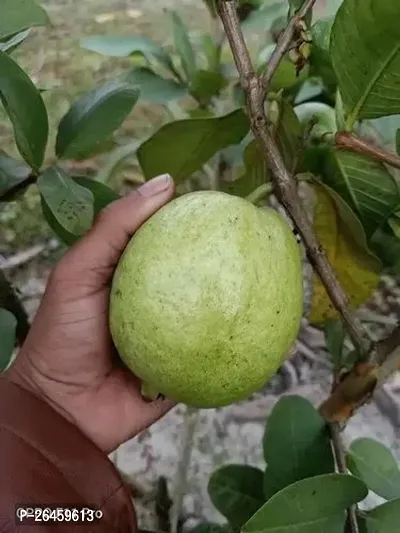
[207, 299]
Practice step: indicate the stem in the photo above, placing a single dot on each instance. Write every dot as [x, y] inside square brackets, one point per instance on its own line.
[263, 190]
[376, 361]
[283, 44]
[180, 483]
[340, 458]
[284, 182]
[349, 141]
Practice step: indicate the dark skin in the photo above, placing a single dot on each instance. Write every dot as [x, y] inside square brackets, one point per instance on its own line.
[68, 358]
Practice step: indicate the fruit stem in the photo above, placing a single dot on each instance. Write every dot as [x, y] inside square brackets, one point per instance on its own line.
[258, 194]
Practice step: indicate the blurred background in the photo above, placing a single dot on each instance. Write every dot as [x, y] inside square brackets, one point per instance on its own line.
[63, 69]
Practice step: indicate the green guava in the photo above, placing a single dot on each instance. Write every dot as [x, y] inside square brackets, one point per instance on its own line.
[207, 299]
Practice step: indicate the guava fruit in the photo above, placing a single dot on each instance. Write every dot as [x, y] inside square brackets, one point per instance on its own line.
[207, 299]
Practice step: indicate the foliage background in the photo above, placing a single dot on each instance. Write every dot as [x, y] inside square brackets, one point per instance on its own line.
[55, 60]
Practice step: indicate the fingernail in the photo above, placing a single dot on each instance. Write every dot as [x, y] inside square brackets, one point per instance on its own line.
[156, 185]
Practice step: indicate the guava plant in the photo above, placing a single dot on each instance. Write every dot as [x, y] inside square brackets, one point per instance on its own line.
[310, 104]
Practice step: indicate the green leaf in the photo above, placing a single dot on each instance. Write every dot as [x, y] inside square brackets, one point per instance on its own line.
[372, 462]
[296, 444]
[321, 63]
[12, 173]
[387, 248]
[183, 147]
[256, 173]
[125, 46]
[320, 116]
[311, 89]
[155, 88]
[286, 75]
[212, 52]
[183, 46]
[13, 42]
[237, 492]
[289, 135]
[102, 196]
[394, 223]
[94, 117]
[205, 85]
[313, 505]
[212, 7]
[70, 204]
[367, 73]
[18, 15]
[384, 519]
[365, 184]
[334, 339]
[26, 110]
[8, 328]
[342, 236]
[398, 141]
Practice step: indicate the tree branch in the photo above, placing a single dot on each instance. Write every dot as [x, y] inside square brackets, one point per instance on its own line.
[349, 141]
[284, 183]
[358, 385]
[283, 44]
[376, 361]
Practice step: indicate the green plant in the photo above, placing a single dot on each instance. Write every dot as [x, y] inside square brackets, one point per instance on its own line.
[310, 105]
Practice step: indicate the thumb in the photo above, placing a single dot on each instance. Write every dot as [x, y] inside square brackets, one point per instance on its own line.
[98, 252]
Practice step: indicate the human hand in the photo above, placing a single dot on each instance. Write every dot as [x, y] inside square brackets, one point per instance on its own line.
[68, 358]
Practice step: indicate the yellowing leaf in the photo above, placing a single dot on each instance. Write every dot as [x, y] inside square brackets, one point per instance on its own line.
[356, 268]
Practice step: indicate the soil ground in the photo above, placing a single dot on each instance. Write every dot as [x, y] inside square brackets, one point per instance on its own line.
[186, 445]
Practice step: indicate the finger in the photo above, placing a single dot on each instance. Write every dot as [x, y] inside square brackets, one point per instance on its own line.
[149, 412]
[100, 249]
[141, 413]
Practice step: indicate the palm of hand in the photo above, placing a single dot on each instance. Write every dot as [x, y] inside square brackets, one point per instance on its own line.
[69, 358]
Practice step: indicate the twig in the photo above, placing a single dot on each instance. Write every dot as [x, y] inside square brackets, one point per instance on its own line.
[358, 385]
[284, 183]
[283, 44]
[163, 506]
[258, 194]
[340, 458]
[22, 257]
[349, 141]
[180, 482]
[10, 301]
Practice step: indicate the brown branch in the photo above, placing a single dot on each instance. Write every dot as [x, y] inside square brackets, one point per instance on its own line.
[376, 361]
[340, 459]
[283, 44]
[349, 141]
[284, 182]
[358, 385]
[10, 301]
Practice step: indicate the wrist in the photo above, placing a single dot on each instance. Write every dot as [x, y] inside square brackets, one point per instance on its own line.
[20, 373]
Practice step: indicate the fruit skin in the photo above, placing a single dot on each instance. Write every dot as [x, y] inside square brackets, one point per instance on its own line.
[207, 298]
